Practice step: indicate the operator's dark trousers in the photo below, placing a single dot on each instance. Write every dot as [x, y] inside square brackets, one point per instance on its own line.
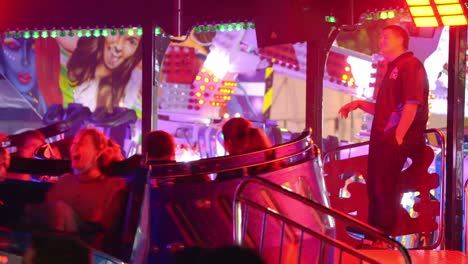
[386, 160]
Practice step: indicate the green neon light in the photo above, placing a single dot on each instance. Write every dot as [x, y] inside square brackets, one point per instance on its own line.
[157, 31]
[44, 34]
[79, 33]
[131, 32]
[383, 15]
[330, 19]
[27, 35]
[230, 27]
[222, 28]
[139, 31]
[53, 34]
[96, 33]
[105, 32]
[35, 35]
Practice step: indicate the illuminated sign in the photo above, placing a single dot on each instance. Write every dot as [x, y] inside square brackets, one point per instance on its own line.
[435, 13]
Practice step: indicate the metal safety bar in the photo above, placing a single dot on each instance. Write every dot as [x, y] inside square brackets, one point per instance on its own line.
[241, 202]
[283, 152]
[331, 155]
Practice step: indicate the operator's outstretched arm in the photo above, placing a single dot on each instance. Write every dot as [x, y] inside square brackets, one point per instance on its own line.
[365, 106]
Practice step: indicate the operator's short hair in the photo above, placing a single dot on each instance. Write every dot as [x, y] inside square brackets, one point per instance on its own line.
[400, 31]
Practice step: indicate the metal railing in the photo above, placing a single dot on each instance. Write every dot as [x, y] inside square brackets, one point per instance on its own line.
[326, 239]
[331, 155]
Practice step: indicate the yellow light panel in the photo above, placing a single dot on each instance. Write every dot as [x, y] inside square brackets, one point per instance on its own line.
[444, 2]
[426, 22]
[417, 2]
[454, 20]
[445, 10]
[418, 11]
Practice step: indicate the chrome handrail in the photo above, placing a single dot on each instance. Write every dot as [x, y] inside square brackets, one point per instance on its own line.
[238, 231]
[282, 152]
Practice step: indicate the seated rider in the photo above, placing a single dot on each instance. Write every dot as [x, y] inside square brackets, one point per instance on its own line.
[88, 201]
[241, 137]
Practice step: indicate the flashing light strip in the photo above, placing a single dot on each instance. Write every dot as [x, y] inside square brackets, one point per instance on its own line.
[95, 32]
[384, 14]
[225, 27]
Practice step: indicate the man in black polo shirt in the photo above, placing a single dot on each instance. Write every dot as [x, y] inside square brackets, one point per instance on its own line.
[400, 117]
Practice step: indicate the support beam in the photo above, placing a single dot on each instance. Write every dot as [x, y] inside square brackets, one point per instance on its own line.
[317, 51]
[148, 121]
[316, 56]
[455, 121]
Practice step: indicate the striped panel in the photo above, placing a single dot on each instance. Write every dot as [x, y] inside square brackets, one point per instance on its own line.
[268, 98]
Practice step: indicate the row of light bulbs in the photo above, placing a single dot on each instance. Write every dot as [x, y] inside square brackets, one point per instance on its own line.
[95, 32]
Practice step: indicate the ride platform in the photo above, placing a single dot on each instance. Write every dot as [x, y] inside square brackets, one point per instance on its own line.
[417, 256]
